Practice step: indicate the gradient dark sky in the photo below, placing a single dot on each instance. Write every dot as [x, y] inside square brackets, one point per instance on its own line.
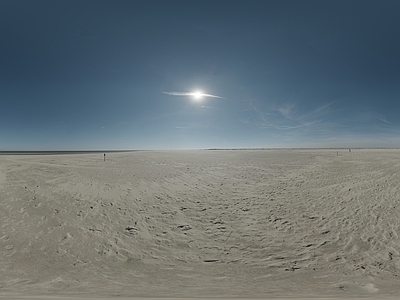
[79, 75]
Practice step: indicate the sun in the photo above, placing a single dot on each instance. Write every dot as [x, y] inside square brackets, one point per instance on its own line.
[197, 95]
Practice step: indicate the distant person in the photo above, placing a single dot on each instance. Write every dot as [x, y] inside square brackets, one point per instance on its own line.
[104, 157]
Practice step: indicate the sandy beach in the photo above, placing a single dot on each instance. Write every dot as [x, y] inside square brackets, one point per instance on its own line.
[201, 223]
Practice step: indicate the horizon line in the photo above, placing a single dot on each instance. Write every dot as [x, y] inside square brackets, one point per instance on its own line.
[47, 152]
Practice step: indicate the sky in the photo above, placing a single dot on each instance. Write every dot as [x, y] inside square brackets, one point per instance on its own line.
[102, 75]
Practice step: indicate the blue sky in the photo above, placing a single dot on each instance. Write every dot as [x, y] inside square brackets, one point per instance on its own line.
[82, 75]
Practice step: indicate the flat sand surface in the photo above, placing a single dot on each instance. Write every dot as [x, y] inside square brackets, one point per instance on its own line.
[201, 223]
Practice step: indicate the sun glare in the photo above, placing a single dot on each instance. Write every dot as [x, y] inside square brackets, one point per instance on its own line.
[197, 95]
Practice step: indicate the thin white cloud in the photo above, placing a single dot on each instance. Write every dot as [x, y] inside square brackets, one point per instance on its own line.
[381, 118]
[317, 112]
[185, 94]
[286, 127]
[287, 111]
[286, 118]
[206, 107]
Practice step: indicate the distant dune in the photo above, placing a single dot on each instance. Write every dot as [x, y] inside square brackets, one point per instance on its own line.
[243, 223]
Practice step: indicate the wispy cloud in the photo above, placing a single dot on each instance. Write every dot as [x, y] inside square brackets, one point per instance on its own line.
[287, 111]
[381, 118]
[323, 126]
[193, 94]
[206, 107]
[318, 112]
[286, 117]
[287, 127]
